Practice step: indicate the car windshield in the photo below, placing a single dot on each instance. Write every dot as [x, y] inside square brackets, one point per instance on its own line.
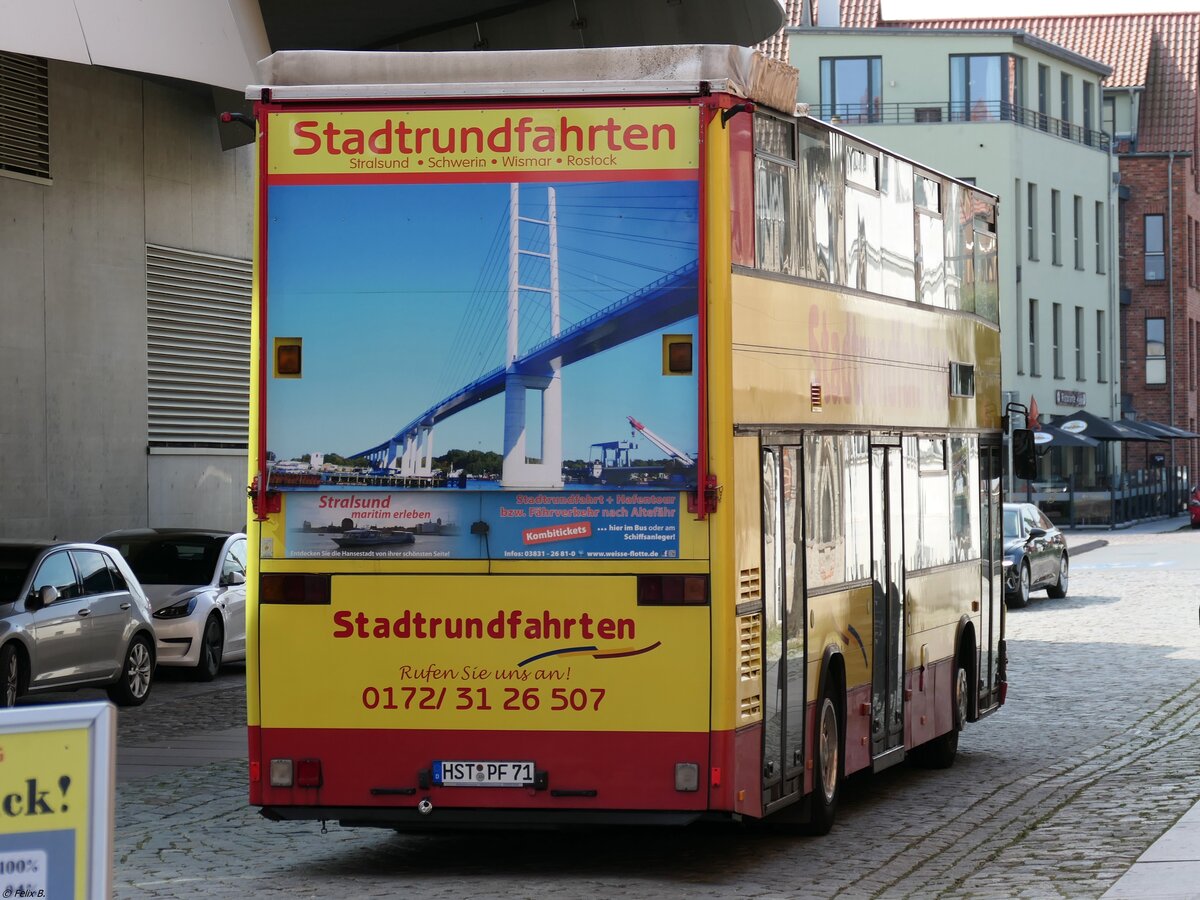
[189, 559]
[14, 567]
[1012, 523]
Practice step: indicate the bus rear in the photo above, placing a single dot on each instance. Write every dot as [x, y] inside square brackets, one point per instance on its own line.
[481, 508]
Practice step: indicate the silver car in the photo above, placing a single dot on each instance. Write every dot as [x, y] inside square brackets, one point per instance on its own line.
[196, 582]
[72, 615]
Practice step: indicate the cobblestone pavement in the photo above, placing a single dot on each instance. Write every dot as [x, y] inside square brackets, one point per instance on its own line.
[1095, 755]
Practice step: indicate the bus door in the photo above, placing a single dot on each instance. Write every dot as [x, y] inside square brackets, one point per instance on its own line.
[887, 578]
[784, 633]
[991, 562]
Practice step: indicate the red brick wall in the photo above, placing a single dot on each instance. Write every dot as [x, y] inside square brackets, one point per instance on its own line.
[1148, 179]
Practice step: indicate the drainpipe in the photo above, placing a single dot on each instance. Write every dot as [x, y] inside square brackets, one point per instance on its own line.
[1171, 291]
[1114, 311]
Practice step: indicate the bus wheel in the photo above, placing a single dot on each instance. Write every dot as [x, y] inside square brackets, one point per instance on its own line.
[827, 764]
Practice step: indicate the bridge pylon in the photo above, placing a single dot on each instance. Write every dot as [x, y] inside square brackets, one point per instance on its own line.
[525, 465]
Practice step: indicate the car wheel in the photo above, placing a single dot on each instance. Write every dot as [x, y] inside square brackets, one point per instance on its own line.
[133, 687]
[212, 646]
[10, 676]
[1058, 590]
[1020, 598]
[827, 763]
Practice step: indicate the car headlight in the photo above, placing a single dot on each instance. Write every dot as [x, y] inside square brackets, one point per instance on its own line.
[1007, 563]
[177, 610]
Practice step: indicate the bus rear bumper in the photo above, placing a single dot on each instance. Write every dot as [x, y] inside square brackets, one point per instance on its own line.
[452, 818]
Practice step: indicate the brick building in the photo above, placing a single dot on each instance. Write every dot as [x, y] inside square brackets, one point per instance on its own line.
[1149, 106]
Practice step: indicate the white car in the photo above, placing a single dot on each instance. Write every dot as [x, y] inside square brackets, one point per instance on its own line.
[196, 582]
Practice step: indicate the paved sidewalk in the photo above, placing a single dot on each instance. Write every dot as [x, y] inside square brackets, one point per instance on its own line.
[1170, 868]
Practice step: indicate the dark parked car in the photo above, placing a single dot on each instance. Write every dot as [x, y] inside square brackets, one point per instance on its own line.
[1035, 554]
[72, 615]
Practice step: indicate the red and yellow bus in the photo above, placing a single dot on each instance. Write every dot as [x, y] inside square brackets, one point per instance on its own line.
[625, 446]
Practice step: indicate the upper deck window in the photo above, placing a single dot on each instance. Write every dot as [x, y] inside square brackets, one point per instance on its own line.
[852, 89]
[985, 88]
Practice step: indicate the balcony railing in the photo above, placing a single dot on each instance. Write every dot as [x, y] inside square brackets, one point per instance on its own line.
[979, 111]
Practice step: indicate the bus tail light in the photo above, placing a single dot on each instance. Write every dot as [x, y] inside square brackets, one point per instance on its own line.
[294, 588]
[308, 773]
[672, 590]
[301, 773]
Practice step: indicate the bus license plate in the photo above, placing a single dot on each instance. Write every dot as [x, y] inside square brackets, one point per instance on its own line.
[483, 773]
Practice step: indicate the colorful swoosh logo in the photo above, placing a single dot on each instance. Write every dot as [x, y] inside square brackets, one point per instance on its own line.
[594, 652]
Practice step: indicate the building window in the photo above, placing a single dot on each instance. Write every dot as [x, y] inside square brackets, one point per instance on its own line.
[1110, 116]
[1088, 88]
[1031, 219]
[1100, 369]
[852, 88]
[1043, 97]
[1156, 258]
[1034, 369]
[984, 88]
[1191, 257]
[1056, 338]
[1100, 242]
[1055, 221]
[1196, 251]
[1078, 211]
[1192, 353]
[1064, 96]
[1156, 351]
[1079, 373]
[24, 117]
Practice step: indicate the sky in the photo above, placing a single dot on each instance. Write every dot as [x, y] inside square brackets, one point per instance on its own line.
[399, 294]
[956, 9]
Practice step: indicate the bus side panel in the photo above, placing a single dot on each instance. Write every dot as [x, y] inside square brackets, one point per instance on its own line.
[380, 767]
[736, 779]
[930, 711]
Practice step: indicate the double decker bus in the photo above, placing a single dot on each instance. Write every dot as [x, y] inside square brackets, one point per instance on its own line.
[626, 444]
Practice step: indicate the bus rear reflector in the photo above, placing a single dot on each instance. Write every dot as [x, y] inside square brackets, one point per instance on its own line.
[281, 773]
[672, 590]
[294, 588]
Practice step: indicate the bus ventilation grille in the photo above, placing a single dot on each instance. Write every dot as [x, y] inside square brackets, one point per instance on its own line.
[750, 668]
[750, 585]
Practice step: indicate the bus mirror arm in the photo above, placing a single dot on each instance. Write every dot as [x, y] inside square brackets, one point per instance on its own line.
[727, 114]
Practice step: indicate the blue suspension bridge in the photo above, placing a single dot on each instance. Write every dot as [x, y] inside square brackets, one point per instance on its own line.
[668, 299]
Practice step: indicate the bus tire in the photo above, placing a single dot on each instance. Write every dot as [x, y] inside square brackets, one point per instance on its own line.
[828, 760]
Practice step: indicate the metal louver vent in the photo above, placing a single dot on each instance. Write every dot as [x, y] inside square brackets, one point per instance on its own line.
[749, 585]
[198, 318]
[749, 667]
[24, 116]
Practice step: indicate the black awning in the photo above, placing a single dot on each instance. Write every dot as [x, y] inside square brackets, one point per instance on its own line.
[1102, 429]
[1174, 430]
[1060, 438]
[1152, 431]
